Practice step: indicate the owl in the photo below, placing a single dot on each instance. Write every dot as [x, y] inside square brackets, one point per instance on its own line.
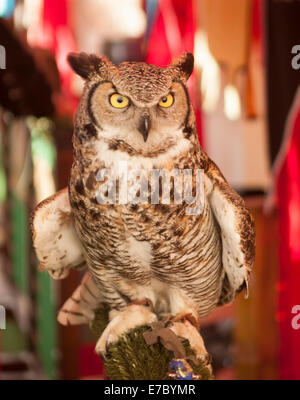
[147, 260]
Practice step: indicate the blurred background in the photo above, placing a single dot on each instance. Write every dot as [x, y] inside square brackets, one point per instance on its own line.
[245, 93]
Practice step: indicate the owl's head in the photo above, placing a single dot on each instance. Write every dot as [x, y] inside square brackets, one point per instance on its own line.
[139, 104]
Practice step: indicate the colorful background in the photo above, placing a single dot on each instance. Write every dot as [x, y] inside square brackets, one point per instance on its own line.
[245, 91]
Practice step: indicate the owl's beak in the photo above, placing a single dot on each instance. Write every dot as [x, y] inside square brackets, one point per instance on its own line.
[144, 127]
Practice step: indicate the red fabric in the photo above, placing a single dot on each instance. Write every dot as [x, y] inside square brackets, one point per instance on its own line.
[288, 198]
[90, 364]
[54, 33]
[256, 21]
[56, 22]
[172, 34]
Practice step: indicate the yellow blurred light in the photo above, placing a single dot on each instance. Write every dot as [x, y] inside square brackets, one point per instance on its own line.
[210, 73]
[232, 103]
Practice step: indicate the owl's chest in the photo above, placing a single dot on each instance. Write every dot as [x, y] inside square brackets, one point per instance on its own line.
[134, 231]
[131, 193]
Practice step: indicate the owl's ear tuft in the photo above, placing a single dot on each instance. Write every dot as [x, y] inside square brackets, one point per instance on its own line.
[185, 65]
[85, 65]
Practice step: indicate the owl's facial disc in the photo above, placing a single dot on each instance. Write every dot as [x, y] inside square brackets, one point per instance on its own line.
[144, 125]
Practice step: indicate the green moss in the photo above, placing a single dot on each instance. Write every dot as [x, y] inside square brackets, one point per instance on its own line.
[132, 358]
[101, 320]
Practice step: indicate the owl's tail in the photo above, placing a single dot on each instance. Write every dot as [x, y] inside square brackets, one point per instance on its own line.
[80, 307]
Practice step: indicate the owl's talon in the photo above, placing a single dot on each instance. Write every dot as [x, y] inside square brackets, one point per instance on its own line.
[188, 331]
[185, 317]
[101, 354]
[207, 361]
[106, 347]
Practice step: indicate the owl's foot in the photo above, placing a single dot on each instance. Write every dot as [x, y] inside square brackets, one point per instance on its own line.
[188, 331]
[131, 317]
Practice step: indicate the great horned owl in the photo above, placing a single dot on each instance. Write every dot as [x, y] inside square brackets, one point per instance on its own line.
[144, 260]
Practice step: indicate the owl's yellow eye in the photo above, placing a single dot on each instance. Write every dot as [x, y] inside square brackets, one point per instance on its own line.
[166, 101]
[119, 101]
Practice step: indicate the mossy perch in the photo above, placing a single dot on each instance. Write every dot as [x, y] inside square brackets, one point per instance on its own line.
[132, 358]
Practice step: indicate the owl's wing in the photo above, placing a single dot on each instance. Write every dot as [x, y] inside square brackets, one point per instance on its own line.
[237, 232]
[54, 236]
